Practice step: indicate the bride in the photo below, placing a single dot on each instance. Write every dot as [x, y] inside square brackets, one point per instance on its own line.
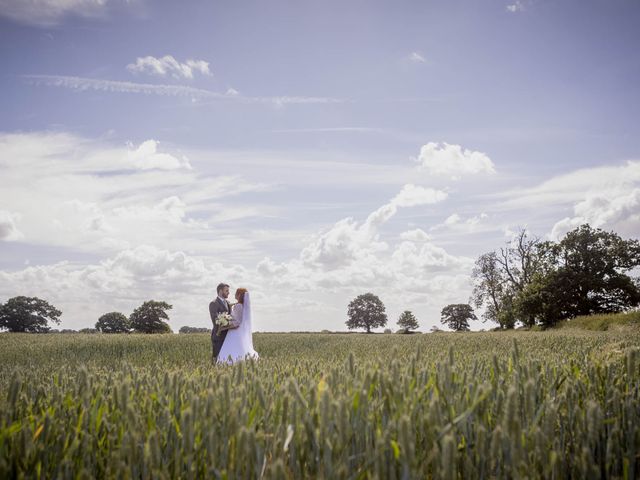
[238, 344]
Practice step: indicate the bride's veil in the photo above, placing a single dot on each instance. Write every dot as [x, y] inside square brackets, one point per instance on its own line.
[246, 337]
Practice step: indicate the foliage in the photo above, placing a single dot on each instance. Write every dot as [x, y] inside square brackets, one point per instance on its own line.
[148, 318]
[457, 316]
[408, 321]
[366, 311]
[113, 322]
[558, 404]
[187, 329]
[28, 314]
[501, 276]
[88, 330]
[590, 276]
[535, 282]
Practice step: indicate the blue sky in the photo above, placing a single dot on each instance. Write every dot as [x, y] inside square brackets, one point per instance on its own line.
[310, 151]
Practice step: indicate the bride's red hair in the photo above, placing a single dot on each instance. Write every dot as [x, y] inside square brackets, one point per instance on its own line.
[240, 293]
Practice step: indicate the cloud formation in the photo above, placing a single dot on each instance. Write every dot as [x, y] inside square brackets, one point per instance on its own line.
[146, 156]
[46, 13]
[453, 161]
[84, 84]
[99, 198]
[515, 7]
[416, 57]
[8, 228]
[169, 66]
[457, 222]
[620, 210]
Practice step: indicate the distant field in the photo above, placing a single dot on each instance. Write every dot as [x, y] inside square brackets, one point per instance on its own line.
[561, 404]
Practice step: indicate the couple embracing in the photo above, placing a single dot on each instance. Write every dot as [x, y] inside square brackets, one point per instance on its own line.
[231, 337]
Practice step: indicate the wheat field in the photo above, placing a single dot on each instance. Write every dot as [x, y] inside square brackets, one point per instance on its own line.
[560, 404]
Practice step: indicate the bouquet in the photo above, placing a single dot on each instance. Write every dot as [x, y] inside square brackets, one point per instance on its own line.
[222, 321]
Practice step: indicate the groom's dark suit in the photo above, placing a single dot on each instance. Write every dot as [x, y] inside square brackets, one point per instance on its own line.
[217, 307]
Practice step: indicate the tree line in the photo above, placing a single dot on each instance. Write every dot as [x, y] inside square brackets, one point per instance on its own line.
[367, 311]
[531, 282]
[32, 315]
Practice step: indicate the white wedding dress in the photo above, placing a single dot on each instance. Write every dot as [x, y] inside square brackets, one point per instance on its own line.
[238, 344]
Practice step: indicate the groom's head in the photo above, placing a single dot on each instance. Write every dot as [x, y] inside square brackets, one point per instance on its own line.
[223, 290]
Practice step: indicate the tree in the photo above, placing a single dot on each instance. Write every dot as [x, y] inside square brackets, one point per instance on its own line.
[88, 330]
[186, 329]
[148, 317]
[457, 316]
[501, 277]
[113, 322]
[366, 311]
[590, 276]
[28, 314]
[408, 321]
[491, 290]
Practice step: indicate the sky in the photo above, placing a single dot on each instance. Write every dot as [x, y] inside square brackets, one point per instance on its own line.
[308, 151]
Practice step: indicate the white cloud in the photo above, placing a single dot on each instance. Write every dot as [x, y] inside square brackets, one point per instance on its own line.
[168, 65]
[572, 187]
[453, 161]
[8, 229]
[515, 7]
[410, 196]
[47, 13]
[85, 195]
[351, 256]
[114, 86]
[617, 210]
[428, 256]
[416, 235]
[146, 156]
[416, 57]
[456, 222]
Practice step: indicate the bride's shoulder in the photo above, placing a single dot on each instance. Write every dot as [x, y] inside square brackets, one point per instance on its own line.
[237, 306]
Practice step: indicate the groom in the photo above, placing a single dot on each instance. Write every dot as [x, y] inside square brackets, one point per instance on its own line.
[218, 306]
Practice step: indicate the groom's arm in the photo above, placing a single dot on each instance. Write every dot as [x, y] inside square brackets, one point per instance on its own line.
[212, 312]
[214, 308]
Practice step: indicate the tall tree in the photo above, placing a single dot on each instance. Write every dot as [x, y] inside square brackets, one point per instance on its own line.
[457, 316]
[590, 276]
[366, 311]
[148, 317]
[28, 314]
[491, 290]
[408, 321]
[113, 322]
[500, 278]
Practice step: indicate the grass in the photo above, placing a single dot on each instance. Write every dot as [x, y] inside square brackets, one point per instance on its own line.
[613, 321]
[561, 404]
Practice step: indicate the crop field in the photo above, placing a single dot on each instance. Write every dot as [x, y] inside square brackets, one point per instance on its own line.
[556, 404]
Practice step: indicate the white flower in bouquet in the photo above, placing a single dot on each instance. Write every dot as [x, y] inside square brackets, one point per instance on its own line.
[223, 320]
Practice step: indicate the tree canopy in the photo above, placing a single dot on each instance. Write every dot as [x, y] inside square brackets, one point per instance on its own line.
[535, 282]
[113, 322]
[408, 321]
[457, 316]
[366, 311]
[149, 317]
[28, 314]
[187, 329]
